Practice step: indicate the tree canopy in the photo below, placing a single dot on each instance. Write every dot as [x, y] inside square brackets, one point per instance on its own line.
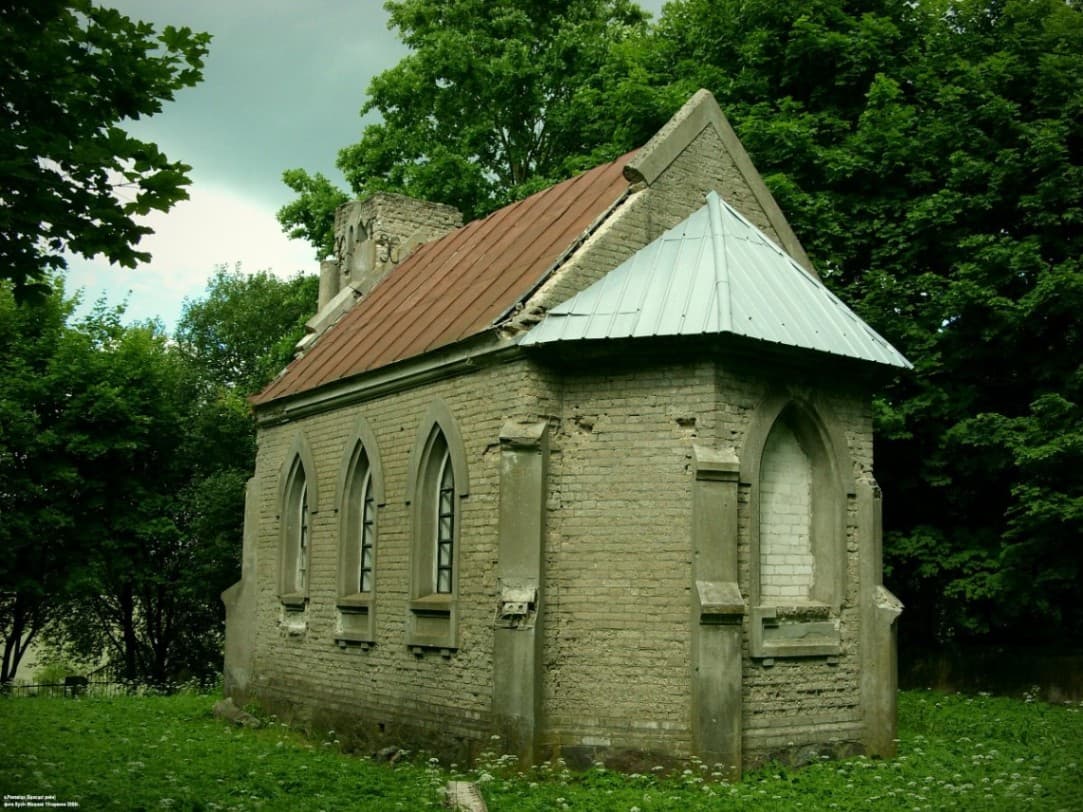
[123, 461]
[495, 101]
[35, 477]
[243, 330]
[71, 178]
[312, 215]
[930, 157]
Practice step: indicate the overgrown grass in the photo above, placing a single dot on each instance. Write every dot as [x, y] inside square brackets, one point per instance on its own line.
[155, 752]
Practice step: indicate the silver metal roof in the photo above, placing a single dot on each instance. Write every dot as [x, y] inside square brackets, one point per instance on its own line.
[715, 273]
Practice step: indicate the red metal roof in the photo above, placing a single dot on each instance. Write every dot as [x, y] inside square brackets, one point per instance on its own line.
[455, 287]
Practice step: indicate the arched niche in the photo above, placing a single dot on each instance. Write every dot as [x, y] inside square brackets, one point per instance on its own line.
[298, 502]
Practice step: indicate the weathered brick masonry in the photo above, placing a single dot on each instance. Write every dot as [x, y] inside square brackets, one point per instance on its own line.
[445, 699]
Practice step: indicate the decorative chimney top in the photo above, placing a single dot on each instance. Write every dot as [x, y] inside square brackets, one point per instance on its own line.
[372, 236]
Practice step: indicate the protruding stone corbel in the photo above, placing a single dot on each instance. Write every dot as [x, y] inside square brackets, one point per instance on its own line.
[717, 465]
[720, 602]
[523, 435]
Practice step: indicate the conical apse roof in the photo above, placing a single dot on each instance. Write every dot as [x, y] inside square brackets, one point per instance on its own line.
[715, 273]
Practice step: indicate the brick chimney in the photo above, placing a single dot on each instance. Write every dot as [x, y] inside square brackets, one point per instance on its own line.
[372, 236]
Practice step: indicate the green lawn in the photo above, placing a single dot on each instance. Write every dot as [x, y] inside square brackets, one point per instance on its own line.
[160, 753]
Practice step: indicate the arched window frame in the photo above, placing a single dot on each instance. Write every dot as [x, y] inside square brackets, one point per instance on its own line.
[438, 451]
[821, 437]
[298, 500]
[361, 496]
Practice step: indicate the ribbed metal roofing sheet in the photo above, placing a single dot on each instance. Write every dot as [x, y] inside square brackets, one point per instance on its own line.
[455, 287]
[715, 273]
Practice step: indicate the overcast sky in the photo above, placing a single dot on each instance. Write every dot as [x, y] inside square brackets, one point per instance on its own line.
[282, 88]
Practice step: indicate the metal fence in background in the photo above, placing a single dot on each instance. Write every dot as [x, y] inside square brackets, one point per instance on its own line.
[71, 687]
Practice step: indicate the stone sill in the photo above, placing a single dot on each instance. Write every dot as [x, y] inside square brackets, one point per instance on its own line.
[803, 630]
[810, 610]
[435, 605]
[295, 600]
[358, 603]
[431, 624]
[419, 649]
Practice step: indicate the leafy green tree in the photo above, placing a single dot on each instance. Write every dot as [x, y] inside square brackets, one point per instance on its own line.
[495, 101]
[312, 215]
[929, 154]
[794, 78]
[72, 180]
[35, 477]
[991, 423]
[123, 424]
[93, 415]
[243, 331]
[170, 460]
[123, 461]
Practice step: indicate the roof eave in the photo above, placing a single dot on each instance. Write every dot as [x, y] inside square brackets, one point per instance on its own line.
[482, 349]
[727, 346]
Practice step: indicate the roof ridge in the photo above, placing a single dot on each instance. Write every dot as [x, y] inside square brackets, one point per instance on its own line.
[724, 300]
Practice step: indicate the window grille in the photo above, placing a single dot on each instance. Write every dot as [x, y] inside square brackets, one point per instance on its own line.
[302, 541]
[368, 529]
[445, 524]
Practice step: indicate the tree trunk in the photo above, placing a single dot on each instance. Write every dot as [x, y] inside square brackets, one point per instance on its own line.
[14, 644]
[127, 627]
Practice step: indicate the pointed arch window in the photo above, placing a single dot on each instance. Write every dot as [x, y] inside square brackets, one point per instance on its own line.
[787, 564]
[357, 542]
[437, 487]
[296, 513]
[302, 541]
[800, 526]
[366, 540]
[361, 489]
[435, 540]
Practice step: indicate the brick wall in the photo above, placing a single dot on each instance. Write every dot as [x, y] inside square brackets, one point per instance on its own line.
[617, 591]
[617, 638]
[308, 674]
[617, 634]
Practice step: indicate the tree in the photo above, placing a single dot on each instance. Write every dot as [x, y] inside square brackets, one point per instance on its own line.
[165, 445]
[122, 426]
[72, 180]
[244, 330]
[495, 101]
[35, 477]
[312, 215]
[930, 156]
[794, 78]
[123, 462]
[991, 423]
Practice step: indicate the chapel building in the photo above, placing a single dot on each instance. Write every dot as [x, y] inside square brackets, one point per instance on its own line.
[592, 475]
